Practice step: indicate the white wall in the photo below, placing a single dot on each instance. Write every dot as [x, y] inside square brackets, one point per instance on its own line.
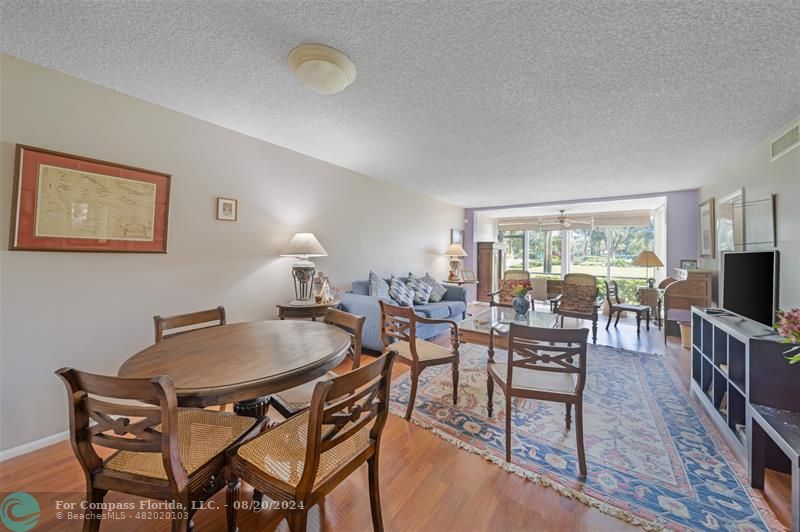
[93, 310]
[761, 177]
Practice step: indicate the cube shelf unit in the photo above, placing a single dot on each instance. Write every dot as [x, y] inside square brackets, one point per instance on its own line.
[736, 361]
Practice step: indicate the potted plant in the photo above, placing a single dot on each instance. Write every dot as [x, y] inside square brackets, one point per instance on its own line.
[521, 303]
[789, 326]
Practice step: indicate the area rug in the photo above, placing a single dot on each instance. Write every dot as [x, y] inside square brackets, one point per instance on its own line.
[651, 460]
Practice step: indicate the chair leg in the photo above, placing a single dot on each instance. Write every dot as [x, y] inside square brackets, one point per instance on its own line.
[568, 415]
[638, 324]
[455, 381]
[579, 437]
[413, 395]
[297, 520]
[180, 519]
[562, 322]
[594, 328]
[375, 493]
[232, 500]
[616, 322]
[490, 393]
[93, 513]
[508, 428]
[647, 319]
[608, 323]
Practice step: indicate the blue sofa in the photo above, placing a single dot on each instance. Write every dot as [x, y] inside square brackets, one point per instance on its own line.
[453, 306]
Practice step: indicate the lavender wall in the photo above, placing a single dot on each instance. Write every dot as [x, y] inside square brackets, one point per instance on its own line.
[681, 225]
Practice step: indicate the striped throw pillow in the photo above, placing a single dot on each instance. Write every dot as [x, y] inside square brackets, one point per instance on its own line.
[422, 290]
[401, 293]
[438, 290]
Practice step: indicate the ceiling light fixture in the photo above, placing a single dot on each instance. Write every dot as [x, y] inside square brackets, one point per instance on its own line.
[326, 70]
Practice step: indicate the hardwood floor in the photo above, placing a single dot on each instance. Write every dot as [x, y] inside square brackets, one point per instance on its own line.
[426, 483]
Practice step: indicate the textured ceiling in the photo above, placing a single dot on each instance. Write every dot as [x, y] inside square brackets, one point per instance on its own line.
[478, 103]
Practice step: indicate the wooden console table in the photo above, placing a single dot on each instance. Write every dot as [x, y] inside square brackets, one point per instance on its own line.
[782, 428]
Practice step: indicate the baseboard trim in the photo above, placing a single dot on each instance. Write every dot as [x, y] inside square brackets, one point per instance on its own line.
[7, 454]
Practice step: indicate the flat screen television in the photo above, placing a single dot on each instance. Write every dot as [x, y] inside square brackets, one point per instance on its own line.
[750, 284]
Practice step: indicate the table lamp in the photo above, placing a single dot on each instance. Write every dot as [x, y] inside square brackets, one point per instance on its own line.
[303, 246]
[648, 259]
[455, 252]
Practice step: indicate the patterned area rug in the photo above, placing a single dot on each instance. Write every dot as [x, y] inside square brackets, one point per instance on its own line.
[651, 460]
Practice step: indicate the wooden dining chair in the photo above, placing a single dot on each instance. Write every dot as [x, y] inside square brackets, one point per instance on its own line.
[541, 365]
[291, 402]
[180, 321]
[578, 299]
[164, 452]
[301, 460]
[399, 333]
[615, 306]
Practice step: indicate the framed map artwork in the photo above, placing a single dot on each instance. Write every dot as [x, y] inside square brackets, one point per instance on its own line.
[63, 202]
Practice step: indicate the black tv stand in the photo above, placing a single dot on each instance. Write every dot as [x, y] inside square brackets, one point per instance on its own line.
[735, 362]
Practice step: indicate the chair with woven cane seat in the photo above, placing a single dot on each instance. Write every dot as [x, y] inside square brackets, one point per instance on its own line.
[578, 299]
[162, 452]
[541, 365]
[179, 321]
[301, 460]
[295, 400]
[615, 306]
[398, 333]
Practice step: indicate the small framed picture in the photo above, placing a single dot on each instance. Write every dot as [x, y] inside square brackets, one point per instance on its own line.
[457, 236]
[468, 275]
[688, 264]
[227, 209]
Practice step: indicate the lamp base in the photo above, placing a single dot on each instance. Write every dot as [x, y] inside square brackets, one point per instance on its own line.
[303, 274]
[455, 264]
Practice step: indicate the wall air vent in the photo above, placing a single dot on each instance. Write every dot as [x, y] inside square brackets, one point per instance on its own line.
[786, 142]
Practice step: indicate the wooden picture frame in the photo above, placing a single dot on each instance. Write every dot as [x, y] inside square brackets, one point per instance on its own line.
[227, 209]
[706, 238]
[468, 275]
[688, 264]
[66, 202]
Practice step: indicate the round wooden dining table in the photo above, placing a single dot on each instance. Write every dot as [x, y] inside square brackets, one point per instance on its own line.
[241, 363]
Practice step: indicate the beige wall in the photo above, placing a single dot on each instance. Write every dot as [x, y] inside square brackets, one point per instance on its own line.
[761, 177]
[93, 310]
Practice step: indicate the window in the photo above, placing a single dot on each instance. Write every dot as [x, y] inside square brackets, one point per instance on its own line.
[588, 252]
[515, 249]
[544, 252]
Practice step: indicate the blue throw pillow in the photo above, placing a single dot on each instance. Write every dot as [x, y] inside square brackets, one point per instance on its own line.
[422, 291]
[378, 287]
[438, 290]
[401, 293]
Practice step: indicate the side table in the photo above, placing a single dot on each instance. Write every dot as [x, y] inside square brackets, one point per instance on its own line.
[312, 310]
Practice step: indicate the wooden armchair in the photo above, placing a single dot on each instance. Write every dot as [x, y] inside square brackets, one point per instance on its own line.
[617, 307]
[398, 325]
[541, 365]
[165, 452]
[291, 402]
[300, 461]
[578, 299]
[178, 321]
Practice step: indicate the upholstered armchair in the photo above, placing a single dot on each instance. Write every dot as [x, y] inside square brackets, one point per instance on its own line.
[511, 279]
[579, 300]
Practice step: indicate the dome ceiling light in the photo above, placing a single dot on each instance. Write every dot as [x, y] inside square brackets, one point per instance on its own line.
[324, 69]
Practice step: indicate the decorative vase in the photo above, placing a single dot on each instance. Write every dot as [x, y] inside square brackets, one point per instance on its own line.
[521, 306]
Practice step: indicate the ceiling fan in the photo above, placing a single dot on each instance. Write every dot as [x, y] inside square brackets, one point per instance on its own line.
[565, 223]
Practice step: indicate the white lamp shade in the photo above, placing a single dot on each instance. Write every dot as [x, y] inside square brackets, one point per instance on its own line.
[455, 250]
[304, 245]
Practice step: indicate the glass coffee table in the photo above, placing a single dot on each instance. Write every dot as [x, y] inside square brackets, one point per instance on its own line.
[478, 329]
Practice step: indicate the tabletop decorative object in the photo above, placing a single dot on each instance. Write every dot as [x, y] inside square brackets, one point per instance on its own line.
[303, 246]
[521, 303]
[789, 326]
